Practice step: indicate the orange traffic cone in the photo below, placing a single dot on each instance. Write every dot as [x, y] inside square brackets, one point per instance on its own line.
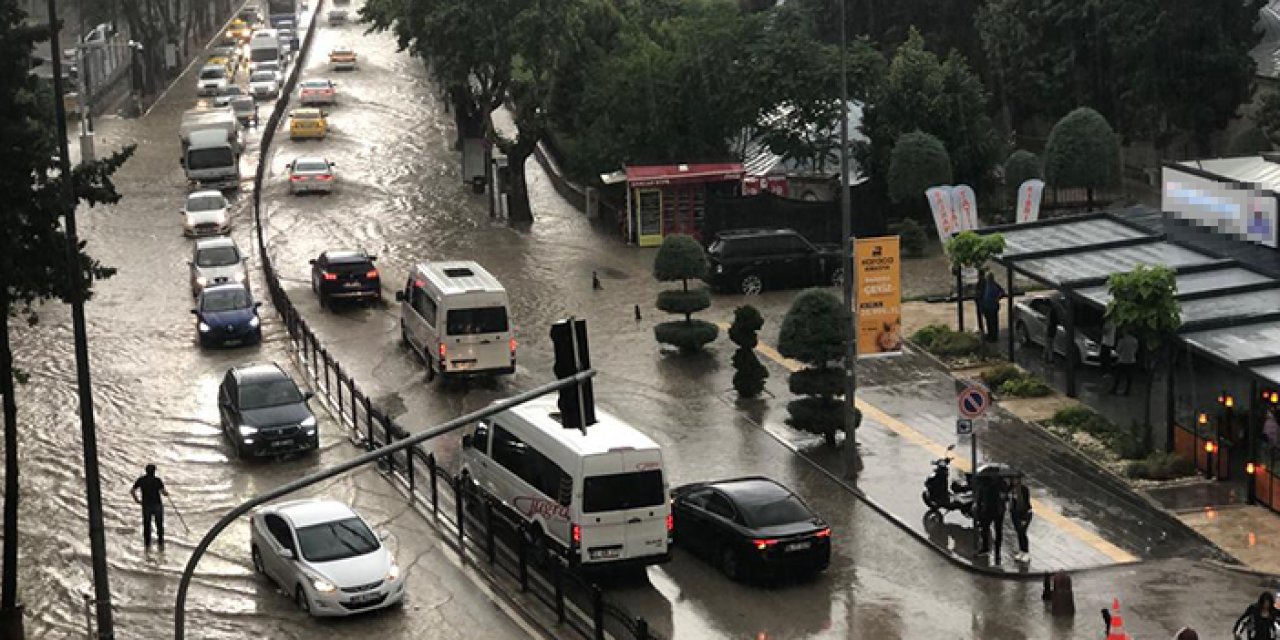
[1116, 632]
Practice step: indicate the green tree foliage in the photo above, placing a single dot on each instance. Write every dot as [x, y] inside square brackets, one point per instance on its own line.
[1249, 141]
[1144, 303]
[811, 333]
[749, 374]
[969, 249]
[1022, 165]
[34, 265]
[1267, 115]
[919, 161]
[912, 237]
[940, 97]
[681, 258]
[1083, 151]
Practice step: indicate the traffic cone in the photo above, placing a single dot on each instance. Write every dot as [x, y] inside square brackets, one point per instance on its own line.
[1116, 632]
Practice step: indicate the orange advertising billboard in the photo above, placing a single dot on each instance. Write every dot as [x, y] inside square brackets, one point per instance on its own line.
[878, 268]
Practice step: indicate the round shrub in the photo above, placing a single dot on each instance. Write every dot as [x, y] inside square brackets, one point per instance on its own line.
[686, 335]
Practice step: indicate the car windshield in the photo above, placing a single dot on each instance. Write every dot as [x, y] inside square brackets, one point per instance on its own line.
[213, 73]
[336, 540]
[268, 393]
[263, 76]
[217, 257]
[231, 90]
[258, 54]
[302, 166]
[210, 158]
[785, 511]
[621, 491]
[478, 320]
[205, 203]
[225, 300]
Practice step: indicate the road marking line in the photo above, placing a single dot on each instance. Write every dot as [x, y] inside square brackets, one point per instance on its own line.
[908, 433]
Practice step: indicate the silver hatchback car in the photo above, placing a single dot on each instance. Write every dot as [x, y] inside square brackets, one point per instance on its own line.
[216, 261]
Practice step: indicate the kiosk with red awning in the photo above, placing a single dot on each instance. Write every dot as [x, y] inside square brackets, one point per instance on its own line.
[672, 198]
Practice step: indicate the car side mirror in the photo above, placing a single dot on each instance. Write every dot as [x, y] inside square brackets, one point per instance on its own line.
[383, 534]
[286, 553]
[311, 261]
[257, 305]
[308, 395]
[399, 296]
[194, 312]
[372, 258]
[182, 161]
[466, 441]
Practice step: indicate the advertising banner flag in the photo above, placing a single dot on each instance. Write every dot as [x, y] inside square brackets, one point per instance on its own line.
[1029, 196]
[965, 204]
[879, 296]
[945, 218]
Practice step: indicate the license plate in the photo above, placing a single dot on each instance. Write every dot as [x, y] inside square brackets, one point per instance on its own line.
[603, 554]
[799, 546]
[281, 443]
[352, 285]
[365, 597]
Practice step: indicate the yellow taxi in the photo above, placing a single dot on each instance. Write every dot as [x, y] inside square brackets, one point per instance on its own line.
[307, 122]
[342, 58]
[222, 61]
[239, 29]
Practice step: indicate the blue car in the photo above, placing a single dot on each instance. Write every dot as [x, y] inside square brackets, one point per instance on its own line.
[227, 315]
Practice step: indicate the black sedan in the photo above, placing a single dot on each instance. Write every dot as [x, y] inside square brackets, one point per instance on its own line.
[346, 275]
[263, 412]
[750, 527]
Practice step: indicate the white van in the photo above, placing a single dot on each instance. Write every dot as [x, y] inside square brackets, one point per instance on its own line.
[454, 314]
[599, 498]
[264, 46]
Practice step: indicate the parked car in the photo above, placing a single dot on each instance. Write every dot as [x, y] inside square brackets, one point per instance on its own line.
[317, 91]
[205, 214]
[308, 123]
[342, 58]
[263, 412]
[213, 79]
[1031, 315]
[216, 261]
[227, 315]
[311, 175]
[264, 84]
[750, 527]
[325, 555]
[346, 275]
[749, 261]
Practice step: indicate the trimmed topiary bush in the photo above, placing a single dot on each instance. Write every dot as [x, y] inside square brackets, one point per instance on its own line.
[811, 333]
[911, 236]
[681, 258]
[749, 374]
[917, 162]
[1022, 165]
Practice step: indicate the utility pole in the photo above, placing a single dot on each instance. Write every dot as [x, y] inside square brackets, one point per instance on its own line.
[847, 242]
[93, 490]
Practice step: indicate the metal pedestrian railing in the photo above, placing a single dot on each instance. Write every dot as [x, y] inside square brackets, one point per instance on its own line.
[476, 528]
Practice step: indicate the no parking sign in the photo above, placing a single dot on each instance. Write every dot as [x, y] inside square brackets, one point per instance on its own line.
[973, 401]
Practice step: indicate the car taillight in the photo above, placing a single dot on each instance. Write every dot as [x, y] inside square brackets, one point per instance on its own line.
[825, 533]
[577, 534]
[512, 344]
[372, 273]
[296, 178]
[325, 176]
[671, 523]
[764, 544]
[330, 276]
[444, 352]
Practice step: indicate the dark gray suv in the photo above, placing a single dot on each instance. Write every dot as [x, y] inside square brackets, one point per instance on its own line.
[264, 413]
[749, 261]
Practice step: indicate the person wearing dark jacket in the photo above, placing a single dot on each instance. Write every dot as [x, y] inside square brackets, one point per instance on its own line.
[1050, 331]
[1020, 510]
[992, 293]
[1258, 621]
[990, 513]
[146, 492]
[978, 290]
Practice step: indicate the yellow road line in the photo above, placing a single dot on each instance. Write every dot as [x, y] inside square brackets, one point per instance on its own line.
[909, 434]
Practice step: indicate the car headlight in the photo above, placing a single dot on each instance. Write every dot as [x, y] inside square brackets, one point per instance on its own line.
[201, 280]
[309, 422]
[254, 322]
[204, 328]
[247, 430]
[393, 573]
[323, 586]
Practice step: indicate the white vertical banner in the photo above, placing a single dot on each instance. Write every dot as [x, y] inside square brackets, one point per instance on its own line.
[945, 218]
[1030, 194]
[965, 203]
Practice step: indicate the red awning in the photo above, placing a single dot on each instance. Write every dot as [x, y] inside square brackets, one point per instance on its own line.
[683, 173]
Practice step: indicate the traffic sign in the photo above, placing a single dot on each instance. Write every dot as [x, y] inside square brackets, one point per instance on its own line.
[973, 401]
[964, 427]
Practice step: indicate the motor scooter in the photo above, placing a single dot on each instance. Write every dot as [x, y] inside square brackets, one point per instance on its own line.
[942, 494]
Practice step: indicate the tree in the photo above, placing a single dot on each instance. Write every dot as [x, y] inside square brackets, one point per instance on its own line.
[1022, 165]
[749, 375]
[940, 97]
[1267, 115]
[1144, 303]
[811, 333]
[970, 250]
[33, 247]
[1249, 141]
[1082, 152]
[919, 161]
[681, 258]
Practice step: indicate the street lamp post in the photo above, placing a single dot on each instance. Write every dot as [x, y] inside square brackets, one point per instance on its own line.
[847, 242]
[93, 490]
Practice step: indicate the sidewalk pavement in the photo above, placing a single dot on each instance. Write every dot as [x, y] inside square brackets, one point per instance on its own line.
[1083, 515]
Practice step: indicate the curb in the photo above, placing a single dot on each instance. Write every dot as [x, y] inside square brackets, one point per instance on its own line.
[1241, 569]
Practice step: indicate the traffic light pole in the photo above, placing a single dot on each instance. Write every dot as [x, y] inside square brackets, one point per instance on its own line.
[577, 366]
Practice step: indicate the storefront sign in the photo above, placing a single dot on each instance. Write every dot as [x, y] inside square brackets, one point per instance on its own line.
[879, 296]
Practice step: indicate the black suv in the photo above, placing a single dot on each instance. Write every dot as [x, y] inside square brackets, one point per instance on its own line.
[263, 412]
[749, 261]
[345, 274]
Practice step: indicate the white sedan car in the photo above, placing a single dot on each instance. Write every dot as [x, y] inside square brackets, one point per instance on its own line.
[264, 84]
[205, 214]
[324, 555]
[311, 175]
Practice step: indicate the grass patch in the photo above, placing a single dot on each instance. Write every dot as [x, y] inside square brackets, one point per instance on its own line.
[1010, 381]
[1125, 443]
[1160, 466]
[949, 344]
